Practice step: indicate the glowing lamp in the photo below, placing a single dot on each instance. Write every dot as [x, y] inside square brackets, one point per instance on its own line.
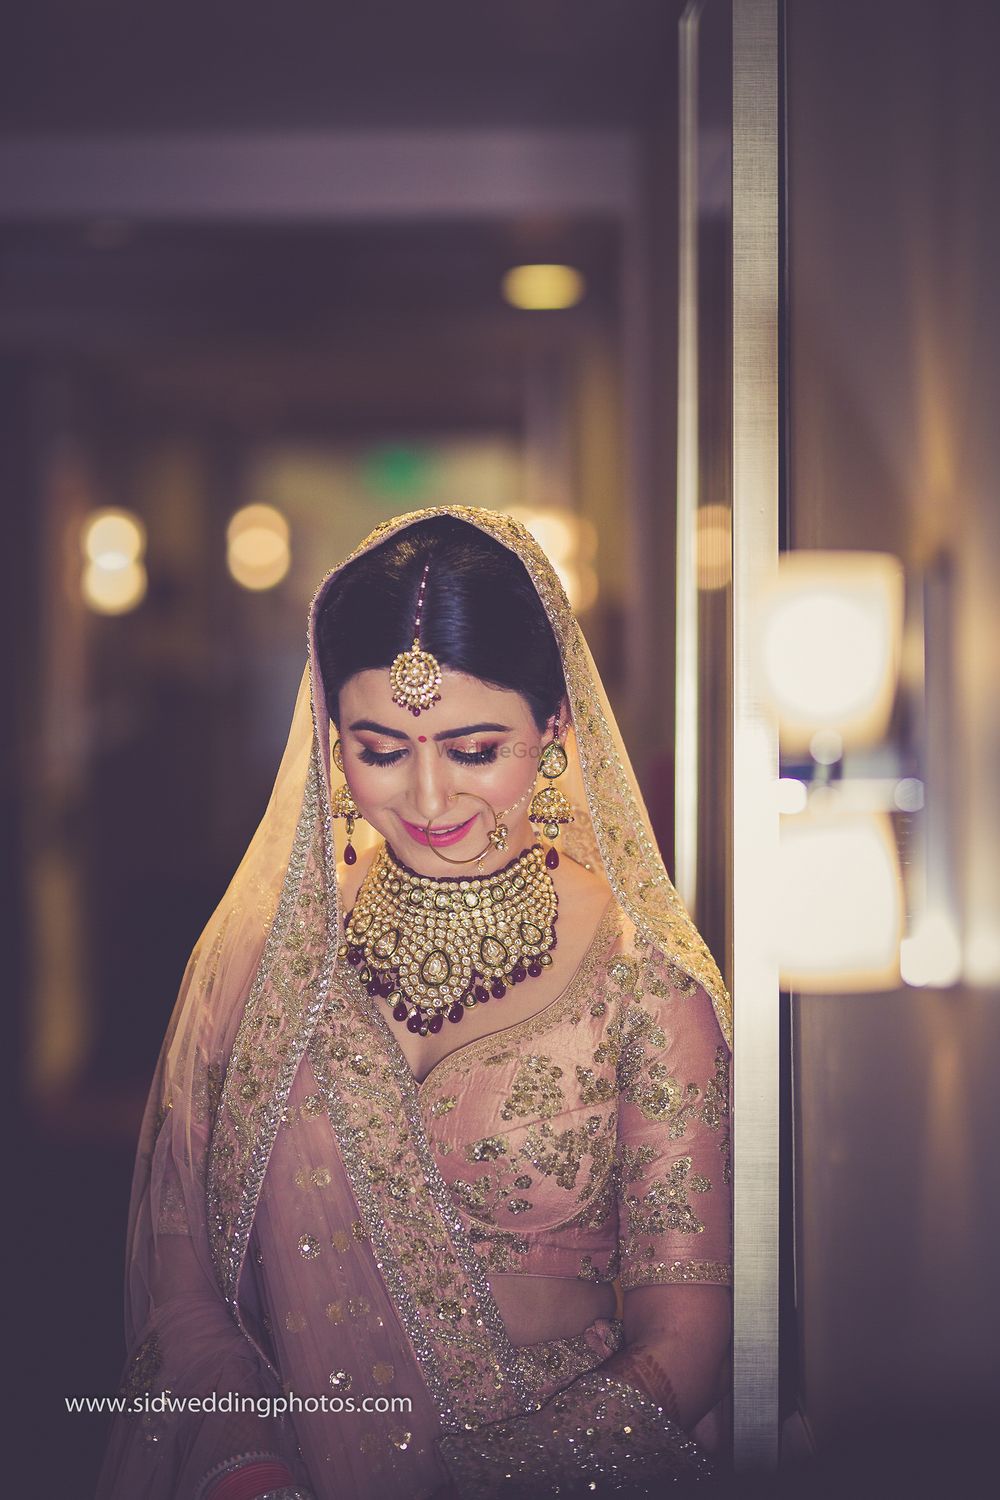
[829, 642]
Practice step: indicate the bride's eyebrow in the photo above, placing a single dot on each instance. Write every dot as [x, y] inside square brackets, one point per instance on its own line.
[473, 729]
[446, 734]
[377, 729]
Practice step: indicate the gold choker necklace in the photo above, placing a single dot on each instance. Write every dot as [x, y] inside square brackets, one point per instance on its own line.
[437, 946]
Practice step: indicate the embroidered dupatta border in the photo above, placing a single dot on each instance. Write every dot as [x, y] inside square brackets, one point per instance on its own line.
[244, 1133]
[476, 1336]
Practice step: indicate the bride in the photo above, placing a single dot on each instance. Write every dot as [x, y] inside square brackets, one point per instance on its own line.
[432, 1197]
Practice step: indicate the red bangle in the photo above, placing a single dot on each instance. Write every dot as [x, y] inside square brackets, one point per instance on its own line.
[251, 1480]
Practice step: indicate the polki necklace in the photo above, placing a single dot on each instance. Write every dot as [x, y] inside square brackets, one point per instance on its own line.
[434, 947]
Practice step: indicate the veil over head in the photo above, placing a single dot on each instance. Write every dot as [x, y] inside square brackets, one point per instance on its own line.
[244, 1033]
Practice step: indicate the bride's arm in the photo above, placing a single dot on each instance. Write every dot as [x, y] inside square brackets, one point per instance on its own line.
[677, 1348]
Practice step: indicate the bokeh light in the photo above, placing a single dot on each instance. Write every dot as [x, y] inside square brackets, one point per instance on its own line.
[114, 591]
[543, 288]
[114, 577]
[258, 547]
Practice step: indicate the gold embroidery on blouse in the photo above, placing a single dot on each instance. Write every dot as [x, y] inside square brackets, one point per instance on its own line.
[474, 1196]
[502, 1247]
[594, 1090]
[623, 972]
[715, 1107]
[660, 1097]
[535, 1090]
[487, 1149]
[560, 1155]
[665, 1206]
[667, 1272]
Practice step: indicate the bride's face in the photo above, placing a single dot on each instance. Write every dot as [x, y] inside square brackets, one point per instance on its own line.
[409, 772]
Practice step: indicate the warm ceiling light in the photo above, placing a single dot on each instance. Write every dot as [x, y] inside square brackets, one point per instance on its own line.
[258, 553]
[543, 288]
[829, 641]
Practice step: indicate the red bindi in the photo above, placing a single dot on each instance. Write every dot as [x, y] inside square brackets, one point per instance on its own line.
[422, 738]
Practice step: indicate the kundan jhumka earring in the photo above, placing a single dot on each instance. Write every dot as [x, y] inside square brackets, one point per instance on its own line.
[549, 806]
[415, 675]
[343, 805]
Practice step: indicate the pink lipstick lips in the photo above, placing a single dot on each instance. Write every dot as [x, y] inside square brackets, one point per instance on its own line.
[451, 837]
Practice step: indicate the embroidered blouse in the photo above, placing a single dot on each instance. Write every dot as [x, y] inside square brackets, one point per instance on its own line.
[591, 1140]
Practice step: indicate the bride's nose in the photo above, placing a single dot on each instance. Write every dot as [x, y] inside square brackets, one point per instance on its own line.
[433, 793]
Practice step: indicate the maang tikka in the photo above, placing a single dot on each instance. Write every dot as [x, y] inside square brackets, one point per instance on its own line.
[415, 675]
[550, 806]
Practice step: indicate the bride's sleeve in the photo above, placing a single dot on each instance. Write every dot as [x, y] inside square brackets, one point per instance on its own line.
[673, 1159]
[198, 1419]
[627, 1425]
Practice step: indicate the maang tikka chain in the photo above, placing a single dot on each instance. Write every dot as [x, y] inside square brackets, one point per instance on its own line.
[415, 675]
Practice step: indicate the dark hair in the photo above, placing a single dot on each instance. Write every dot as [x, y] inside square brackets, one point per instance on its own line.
[481, 615]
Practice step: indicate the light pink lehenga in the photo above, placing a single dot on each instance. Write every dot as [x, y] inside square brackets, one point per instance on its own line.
[308, 1222]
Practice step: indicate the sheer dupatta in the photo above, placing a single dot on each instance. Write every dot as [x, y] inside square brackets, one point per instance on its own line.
[289, 1233]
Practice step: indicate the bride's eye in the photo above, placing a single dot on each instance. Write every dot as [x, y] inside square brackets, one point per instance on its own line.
[372, 757]
[483, 757]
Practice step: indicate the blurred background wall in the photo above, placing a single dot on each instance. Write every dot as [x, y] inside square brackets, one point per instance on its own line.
[894, 445]
[253, 255]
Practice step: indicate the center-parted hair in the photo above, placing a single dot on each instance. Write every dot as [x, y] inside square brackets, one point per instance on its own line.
[481, 615]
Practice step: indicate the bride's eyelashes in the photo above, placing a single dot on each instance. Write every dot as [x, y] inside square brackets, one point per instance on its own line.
[484, 757]
[374, 758]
